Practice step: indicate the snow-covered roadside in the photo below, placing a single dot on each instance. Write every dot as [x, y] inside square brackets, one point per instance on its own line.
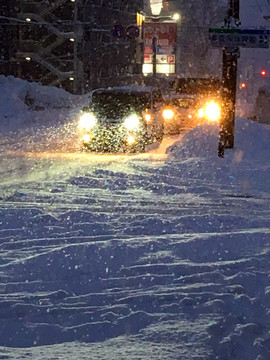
[139, 257]
[246, 166]
[37, 117]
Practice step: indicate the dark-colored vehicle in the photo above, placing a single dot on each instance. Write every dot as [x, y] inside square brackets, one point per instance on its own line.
[122, 119]
[179, 113]
[191, 102]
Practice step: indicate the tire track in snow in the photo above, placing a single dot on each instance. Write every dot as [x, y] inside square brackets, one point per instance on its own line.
[109, 252]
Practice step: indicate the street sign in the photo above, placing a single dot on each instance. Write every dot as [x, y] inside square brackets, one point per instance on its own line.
[165, 34]
[160, 59]
[247, 38]
[159, 47]
[132, 31]
[118, 31]
[147, 59]
[171, 59]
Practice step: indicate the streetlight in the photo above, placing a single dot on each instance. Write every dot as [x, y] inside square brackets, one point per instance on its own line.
[176, 16]
[171, 18]
[156, 6]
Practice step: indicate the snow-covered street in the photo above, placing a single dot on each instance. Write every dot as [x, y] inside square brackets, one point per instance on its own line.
[161, 256]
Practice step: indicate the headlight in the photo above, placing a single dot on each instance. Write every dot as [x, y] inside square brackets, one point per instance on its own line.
[131, 139]
[212, 111]
[87, 121]
[132, 122]
[148, 117]
[86, 138]
[168, 114]
[201, 113]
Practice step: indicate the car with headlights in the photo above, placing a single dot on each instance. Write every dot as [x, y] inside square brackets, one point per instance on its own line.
[182, 112]
[122, 119]
[191, 102]
[178, 113]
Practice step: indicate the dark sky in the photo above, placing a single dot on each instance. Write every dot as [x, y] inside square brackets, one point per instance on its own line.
[252, 12]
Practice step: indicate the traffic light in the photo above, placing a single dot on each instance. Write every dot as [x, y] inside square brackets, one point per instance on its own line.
[243, 85]
[263, 72]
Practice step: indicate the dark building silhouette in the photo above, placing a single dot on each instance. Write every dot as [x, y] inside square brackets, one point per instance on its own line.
[8, 34]
[69, 43]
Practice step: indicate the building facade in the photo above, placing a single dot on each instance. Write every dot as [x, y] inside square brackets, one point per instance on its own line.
[72, 44]
[8, 33]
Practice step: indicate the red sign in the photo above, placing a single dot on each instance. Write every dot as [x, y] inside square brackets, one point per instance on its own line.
[171, 59]
[147, 59]
[165, 35]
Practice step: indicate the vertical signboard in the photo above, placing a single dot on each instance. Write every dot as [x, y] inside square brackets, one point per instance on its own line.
[159, 47]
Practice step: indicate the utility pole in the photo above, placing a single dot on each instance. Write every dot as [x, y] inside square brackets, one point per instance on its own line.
[230, 39]
[229, 82]
[154, 46]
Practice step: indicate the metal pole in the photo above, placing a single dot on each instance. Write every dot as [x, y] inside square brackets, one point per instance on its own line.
[229, 82]
[154, 56]
[75, 49]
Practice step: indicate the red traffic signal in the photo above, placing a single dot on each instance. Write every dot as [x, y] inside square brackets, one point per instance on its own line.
[263, 72]
[243, 85]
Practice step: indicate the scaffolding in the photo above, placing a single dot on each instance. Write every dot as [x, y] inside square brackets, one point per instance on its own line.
[47, 40]
[69, 43]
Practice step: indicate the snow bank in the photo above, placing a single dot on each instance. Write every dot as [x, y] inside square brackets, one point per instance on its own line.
[132, 258]
[21, 101]
[203, 140]
[242, 165]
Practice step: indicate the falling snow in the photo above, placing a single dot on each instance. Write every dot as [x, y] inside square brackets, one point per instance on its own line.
[161, 255]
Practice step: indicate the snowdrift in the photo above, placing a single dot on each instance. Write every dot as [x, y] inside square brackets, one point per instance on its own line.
[23, 103]
[241, 166]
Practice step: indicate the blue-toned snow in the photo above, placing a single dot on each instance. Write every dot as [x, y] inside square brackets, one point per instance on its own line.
[160, 256]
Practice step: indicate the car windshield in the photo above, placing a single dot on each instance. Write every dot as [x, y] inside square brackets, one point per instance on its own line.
[114, 104]
[183, 103]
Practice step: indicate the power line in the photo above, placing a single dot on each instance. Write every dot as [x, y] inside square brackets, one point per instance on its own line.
[259, 6]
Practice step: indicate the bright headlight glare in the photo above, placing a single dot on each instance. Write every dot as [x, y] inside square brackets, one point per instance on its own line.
[131, 139]
[200, 113]
[147, 117]
[168, 114]
[87, 121]
[212, 111]
[86, 138]
[132, 122]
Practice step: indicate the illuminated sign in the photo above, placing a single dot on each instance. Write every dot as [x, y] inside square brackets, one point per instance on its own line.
[161, 38]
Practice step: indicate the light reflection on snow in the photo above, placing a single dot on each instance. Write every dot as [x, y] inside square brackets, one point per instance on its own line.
[160, 256]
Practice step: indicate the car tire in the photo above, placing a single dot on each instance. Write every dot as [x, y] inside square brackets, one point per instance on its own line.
[159, 135]
[138, 148]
